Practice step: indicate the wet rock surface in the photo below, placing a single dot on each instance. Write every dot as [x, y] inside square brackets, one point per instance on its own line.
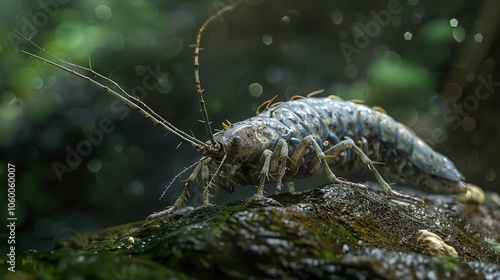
[328, 232]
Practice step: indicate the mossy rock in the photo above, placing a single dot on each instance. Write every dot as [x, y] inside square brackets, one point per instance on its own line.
[329, 232]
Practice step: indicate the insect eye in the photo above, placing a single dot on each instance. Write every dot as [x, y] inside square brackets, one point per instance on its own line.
[236, 141]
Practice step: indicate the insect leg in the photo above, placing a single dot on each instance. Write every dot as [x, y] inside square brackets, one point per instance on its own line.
[302, 149]
[266, 155]
[278, 163]
[181, 200]
[350, 145]
[205, 176]
[274, 161]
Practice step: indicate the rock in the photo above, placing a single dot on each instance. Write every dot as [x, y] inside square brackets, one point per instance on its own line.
[431, 244]
[329, 232]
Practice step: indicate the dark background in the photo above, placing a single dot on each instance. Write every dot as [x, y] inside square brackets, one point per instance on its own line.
[429, 83]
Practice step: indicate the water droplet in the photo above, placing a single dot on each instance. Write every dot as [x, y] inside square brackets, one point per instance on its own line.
[255, 89]
[408, 35]
[267, 39]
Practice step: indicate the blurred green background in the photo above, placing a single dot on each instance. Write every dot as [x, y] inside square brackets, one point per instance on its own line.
[427, 63]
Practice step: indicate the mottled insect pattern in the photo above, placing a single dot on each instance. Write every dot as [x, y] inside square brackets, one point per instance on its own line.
[294, 140]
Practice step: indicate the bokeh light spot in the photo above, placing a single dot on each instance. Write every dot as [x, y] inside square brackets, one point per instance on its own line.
[452, 92]
[174, 46]
[437, 105]
[37, 83]
[255, 89]
[337, 16]
[290, 19]
[351, 71]
[491, 175]
[468, 124]
[459, 34]
[478, 37]
[267, 39]
[103, 12]
[470, 77]
[408, 35]
[94, 165]
[118, 148]
[454, 22]
[165, 82]
[473, 160]
[136, 188]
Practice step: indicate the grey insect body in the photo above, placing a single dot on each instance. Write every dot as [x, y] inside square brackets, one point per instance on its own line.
[332, 125]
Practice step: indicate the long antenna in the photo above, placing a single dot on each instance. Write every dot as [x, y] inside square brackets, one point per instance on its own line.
[126, 98]
[199, 91]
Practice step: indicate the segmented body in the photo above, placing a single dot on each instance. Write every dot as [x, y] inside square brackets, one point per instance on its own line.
[330, 121]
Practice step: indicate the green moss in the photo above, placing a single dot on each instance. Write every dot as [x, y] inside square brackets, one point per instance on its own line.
[331, 231]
